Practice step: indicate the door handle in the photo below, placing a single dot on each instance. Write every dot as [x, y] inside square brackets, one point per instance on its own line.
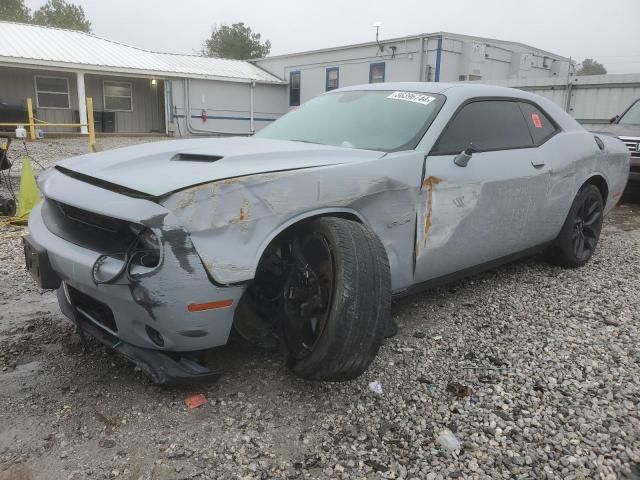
[537, 162]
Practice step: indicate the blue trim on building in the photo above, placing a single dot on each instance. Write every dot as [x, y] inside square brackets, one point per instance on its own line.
[438, 58]
[379, 64]
[291, 74]
[220, 117]
[326, 80]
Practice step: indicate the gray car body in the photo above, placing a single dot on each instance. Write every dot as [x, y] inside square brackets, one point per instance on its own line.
[215, 219]
[630, 135]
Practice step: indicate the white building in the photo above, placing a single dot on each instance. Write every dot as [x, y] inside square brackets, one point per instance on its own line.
[133, 90]
[442, 56]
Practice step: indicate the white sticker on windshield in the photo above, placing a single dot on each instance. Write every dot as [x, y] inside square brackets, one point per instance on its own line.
[412, 97]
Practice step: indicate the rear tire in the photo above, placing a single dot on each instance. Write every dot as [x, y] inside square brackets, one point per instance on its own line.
[581, 230]
[337, 300]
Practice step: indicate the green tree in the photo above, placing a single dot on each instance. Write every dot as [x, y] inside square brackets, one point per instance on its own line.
[14, 11]
[58, 13]
[235, 41]
[591, 67]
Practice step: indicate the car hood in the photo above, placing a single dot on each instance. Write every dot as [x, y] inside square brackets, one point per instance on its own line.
[622, 130]
[158, 168]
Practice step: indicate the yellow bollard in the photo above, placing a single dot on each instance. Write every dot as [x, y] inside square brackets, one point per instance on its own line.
[32, 125]
[92, 127]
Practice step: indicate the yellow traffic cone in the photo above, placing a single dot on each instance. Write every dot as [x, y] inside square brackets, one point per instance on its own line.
[29, 194]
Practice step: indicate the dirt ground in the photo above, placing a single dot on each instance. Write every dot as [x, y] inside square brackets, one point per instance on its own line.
[73, 414]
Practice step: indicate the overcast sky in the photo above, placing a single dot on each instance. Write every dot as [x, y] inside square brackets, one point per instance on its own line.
[607, 30]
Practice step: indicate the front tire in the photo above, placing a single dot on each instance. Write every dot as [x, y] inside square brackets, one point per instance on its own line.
[581, 231]
[337, 300]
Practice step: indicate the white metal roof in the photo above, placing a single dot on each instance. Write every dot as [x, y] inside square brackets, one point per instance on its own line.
[53, 47]
[414, 37]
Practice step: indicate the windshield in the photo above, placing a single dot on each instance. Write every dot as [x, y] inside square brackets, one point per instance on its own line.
[631, 116]
[372, 120]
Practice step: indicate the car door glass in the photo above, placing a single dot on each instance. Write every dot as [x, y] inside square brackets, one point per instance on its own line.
[488, 125]
[540, 126]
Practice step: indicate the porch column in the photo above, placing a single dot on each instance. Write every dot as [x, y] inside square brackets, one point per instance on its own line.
[82, 102]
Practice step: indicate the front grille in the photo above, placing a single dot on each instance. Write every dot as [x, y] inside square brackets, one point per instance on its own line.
[92, 309]
[87, 229]
[93, 220]
[633, 144]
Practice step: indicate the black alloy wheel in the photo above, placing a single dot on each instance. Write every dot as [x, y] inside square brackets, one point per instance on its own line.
[308, 293]
[336, 299]
[580, 233]
[586, 227]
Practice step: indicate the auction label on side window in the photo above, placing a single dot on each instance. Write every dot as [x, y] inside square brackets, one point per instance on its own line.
[412, 97]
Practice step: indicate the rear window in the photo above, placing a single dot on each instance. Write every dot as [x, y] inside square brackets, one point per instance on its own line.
[488, 125]
[540, 126]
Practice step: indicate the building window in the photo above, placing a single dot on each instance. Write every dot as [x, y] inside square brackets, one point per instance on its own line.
[376, 73]
[462, 78]
[333, 78]
[118, 96]
[294, 89]
[52, 92]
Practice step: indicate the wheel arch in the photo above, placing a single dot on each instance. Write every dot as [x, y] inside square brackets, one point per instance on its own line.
[600, 182]
[294, 222]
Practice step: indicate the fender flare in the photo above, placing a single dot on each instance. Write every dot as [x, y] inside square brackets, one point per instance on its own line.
[281, 227]
[607, 183]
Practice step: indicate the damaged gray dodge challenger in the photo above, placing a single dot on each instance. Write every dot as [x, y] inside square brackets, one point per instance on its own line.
[306, 231]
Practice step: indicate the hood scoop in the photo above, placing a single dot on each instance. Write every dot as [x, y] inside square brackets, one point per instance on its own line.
[195, 157]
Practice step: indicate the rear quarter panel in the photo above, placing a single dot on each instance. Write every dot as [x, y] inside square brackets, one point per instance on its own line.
[612, 163]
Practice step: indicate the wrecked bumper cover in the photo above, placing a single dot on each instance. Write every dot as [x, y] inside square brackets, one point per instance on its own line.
[163, 368]
[158, 300]
[152, 316]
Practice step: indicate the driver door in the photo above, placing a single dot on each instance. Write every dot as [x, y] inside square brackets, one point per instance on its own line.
[492, 207]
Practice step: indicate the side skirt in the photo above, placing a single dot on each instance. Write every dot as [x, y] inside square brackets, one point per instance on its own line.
[467, 272]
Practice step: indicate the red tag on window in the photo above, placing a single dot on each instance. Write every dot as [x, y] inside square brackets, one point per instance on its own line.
[536, 120]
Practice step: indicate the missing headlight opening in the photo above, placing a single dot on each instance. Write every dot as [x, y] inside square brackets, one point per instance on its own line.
[144, 251]
[149, 246]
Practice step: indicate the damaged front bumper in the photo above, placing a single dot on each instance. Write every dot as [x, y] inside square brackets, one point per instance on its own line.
[162, 367]
[151, 316]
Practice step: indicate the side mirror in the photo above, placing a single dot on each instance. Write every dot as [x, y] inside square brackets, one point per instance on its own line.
[462, 159]
[614, 119]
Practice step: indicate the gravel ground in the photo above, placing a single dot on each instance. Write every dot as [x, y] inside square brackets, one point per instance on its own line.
[533, 369]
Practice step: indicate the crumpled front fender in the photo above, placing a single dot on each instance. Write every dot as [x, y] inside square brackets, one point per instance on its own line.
[231, 222]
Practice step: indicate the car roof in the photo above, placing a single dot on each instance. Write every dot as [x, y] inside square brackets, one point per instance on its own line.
[459, 89]
[462, 91]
